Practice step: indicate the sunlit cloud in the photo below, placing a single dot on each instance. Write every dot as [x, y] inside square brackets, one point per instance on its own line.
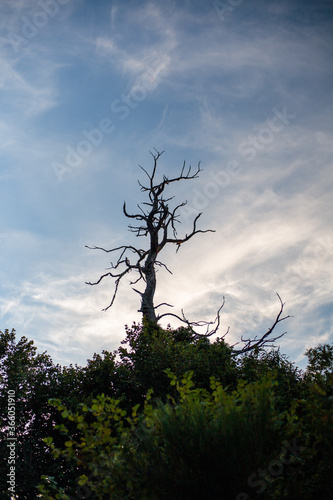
[180, 79]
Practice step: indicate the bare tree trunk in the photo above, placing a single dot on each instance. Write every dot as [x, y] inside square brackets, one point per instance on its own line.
[147, 300]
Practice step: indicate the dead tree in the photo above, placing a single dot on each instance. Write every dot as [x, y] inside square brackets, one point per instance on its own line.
[156, 222]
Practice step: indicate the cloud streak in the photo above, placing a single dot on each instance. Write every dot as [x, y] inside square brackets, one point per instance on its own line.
[250, 97]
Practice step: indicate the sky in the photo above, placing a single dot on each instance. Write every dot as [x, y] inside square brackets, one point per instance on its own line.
[89, 88]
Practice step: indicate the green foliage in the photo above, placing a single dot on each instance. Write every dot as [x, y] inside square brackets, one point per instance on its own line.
[151, 350]
[199, 444]
[315, 427]
[248, 427]
[102, 427]
[35, 379]
[312, 476]
[320, 365]
[32, 377]
[259, 363]
[206, 445]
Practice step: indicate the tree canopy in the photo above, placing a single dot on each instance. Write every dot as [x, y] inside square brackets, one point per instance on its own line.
[167, 414]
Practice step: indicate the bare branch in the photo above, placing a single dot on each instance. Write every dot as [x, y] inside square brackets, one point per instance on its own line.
[145, 171]
[163, 304]
[139, 251]
[217, 321]
[155, 219]
[136, 281]
[161, 264]
[100, 279]
[192, 324]
[265, 339]
[179, 241]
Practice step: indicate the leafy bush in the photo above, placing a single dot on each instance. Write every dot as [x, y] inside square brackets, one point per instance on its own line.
[201, 444]
[148, 351]
[198, 438]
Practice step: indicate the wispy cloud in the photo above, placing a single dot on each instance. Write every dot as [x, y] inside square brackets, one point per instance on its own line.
[202, 89]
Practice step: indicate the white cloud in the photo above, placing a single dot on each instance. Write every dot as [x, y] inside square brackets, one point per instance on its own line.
[218, 84]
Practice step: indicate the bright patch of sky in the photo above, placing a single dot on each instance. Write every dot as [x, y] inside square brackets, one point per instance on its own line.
[88, 88]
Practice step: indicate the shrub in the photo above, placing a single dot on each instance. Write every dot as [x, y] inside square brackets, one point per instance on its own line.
[200, 444]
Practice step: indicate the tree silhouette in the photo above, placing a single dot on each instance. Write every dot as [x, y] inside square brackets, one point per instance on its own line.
[156, 222]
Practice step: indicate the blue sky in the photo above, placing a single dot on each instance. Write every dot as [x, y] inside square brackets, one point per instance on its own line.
[88, 88]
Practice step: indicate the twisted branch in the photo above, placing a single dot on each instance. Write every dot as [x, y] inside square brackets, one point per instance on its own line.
[265, 339]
